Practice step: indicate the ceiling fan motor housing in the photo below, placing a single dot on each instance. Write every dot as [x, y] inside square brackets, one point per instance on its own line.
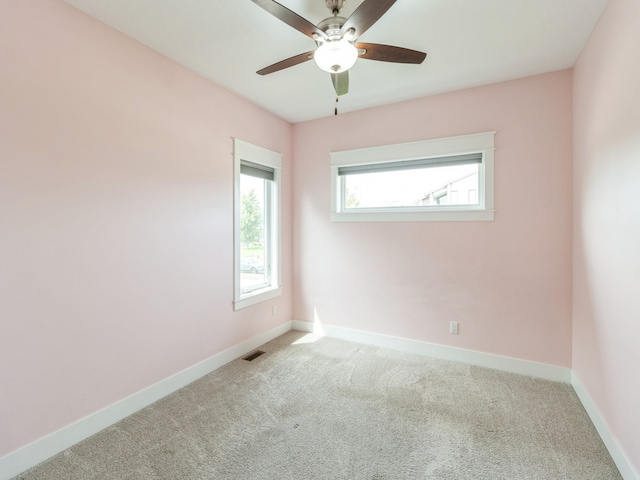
[332, 27]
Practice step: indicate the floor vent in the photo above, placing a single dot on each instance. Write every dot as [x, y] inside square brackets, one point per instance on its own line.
[254, 355]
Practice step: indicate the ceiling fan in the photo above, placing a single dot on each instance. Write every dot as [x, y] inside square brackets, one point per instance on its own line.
[336, 38]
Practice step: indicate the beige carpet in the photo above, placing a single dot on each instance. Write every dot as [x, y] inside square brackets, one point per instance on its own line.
[320, 408]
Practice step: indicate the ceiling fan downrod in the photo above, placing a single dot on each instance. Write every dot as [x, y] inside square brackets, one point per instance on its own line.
[335, 5]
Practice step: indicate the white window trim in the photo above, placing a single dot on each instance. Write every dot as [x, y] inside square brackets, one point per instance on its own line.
[474, 143]
[246, 151]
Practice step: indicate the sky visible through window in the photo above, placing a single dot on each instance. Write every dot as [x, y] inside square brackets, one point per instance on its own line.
[401, 188]
[247, 182]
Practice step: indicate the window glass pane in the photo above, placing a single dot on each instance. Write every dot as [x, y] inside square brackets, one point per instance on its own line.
[254, 235]
[445, 185]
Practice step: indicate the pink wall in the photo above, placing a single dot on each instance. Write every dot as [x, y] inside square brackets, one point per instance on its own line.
[116, 241]
[508, 282]
[606, 310]
[116, 222]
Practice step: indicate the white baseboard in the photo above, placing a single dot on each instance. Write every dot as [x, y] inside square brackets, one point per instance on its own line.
[621, 460]
[35, 453]
[498, 362]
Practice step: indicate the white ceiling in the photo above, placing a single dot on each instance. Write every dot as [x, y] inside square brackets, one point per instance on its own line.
[468, 43]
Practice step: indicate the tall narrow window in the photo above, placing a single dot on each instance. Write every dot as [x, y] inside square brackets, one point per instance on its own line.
[257, 224]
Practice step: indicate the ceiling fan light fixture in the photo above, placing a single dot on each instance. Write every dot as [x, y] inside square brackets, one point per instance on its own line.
[336, 56]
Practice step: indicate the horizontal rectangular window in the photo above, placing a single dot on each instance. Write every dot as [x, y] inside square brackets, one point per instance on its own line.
[442, 179]
[423, 183]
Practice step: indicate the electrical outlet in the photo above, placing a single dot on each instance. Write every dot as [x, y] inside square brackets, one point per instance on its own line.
[453, 328]
[274, 310]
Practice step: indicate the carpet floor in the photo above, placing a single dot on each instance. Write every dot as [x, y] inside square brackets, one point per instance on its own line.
[320, 408]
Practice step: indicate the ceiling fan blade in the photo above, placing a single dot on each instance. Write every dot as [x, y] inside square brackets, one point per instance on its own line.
[368, 13]
[340, 82]
[389, 53]
[289, 62]
[290, 18]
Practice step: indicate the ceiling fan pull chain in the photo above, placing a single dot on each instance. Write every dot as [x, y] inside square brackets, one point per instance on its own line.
[335, 112]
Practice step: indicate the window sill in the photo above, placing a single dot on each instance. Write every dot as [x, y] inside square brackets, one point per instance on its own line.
[257, 297]
[442, 216]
